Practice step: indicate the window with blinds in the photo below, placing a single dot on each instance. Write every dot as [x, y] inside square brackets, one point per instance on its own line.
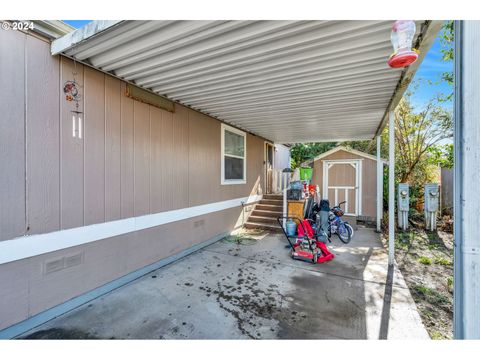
[234, 156]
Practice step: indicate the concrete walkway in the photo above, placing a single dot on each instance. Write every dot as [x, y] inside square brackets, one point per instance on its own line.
[255, 290]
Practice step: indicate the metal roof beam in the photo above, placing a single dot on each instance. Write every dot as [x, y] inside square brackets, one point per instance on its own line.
[70, 40]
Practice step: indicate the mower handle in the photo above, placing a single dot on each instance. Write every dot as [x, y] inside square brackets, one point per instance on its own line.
[285, 232]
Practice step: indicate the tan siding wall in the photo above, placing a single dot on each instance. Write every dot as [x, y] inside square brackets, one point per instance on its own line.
[43, 133]
[141, 120]
[94, 147]
[370, 188]
[112, 149]
[369, 179]
[71, 155]
[133, 159]
[127, 159]
[181, 143]
[12, 134]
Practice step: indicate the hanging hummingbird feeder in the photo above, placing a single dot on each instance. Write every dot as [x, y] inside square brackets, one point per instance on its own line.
[403, 32]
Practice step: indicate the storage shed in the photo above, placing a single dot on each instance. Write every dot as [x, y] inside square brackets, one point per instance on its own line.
[345, 174]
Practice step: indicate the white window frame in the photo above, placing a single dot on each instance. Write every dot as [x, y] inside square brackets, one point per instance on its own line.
[223, 181]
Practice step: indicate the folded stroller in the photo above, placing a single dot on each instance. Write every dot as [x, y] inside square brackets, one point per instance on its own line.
[322, 221]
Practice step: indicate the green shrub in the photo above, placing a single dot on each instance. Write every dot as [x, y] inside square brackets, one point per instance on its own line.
[431, 295]
[425, 260]
[442, 261]
[450, 284]
[437, 335]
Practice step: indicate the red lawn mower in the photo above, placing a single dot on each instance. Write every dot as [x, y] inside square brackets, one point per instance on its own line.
[305, 246]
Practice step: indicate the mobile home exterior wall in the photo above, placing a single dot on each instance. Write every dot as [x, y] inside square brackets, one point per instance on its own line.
[134, 165]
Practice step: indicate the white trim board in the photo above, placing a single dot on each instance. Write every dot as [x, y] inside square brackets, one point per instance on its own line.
[33, 245]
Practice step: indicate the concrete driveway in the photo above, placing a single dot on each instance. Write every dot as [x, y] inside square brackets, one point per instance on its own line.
[254, 290]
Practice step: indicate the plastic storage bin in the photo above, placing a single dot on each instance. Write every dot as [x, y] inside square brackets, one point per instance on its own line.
[306, 173]
[291, 228]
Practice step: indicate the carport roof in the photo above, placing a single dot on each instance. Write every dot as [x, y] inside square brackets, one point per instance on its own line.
[287, 81]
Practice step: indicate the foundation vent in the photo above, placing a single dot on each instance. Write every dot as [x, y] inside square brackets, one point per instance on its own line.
[54, 265]
[199, 223]
[65, 262]
[73, 260]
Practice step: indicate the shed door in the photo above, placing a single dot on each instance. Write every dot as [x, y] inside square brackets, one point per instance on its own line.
[341, 182]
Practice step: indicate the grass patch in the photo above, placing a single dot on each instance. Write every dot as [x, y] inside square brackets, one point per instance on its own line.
[403, 240]
[425, 260]
[437, 335]
[430, 295]
[450, 284]
[443, 261]
[239, 240]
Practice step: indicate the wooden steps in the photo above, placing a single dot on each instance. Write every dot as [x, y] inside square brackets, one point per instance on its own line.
[265, 214]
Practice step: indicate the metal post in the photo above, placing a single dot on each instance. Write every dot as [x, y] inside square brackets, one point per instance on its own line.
[466, 308]
[391, 187]
[379, 185]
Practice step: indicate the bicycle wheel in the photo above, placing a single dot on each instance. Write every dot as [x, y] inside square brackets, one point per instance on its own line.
[350, 227]
[344, 233]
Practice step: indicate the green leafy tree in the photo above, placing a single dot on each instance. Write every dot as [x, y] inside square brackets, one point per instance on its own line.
[366, 146]
[441, 155]
[303, 152]
[447, 42]
[417, 132]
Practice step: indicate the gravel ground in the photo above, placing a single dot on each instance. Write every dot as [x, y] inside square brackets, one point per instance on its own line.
[426, 261]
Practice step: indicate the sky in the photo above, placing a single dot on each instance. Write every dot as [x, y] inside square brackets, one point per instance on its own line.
[430, 70]
[77, 23]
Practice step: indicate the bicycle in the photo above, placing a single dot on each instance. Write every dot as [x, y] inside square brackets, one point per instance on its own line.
[337, 226]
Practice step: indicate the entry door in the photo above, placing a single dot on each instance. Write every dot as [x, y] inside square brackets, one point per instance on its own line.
[342, 182]
[268, 167]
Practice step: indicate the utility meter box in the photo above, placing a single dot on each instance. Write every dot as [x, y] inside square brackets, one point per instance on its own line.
[403, 200]
[403, 197]
[432, 197]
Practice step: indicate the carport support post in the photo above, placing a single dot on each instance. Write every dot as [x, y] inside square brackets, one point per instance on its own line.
[466, 304]
[379, 185]
[391, 187]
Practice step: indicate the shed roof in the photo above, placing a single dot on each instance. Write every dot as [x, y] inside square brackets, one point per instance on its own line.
[350, 150]
[287, 81]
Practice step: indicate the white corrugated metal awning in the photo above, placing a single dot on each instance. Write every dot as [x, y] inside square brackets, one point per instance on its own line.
[288, 81]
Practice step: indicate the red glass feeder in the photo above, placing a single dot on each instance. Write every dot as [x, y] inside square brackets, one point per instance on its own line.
[402, 35]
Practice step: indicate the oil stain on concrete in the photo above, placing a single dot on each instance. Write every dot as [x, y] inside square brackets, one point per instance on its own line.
[233, 290]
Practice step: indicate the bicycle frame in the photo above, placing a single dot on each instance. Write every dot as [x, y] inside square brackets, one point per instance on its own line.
[337, 221]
